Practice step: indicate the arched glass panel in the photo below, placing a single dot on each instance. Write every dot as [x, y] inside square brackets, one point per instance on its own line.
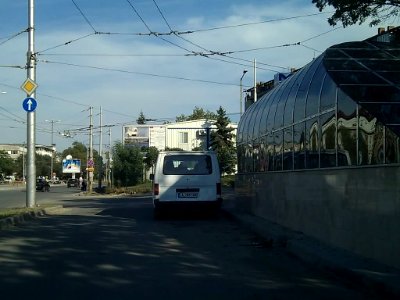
[271, 151]
[278, 136]
[313, 97]
[328, 94]
[288, 100]
[297, 79]
[392, 149]
[264, 115]
[288, 148]
[312, 144]
[328, 140]
[246, 119]
[256, 155]
[280, 110]
[263, 154]
[272, 110]
[299, 106]
[370, 138]
[347, 130]
[253, 120]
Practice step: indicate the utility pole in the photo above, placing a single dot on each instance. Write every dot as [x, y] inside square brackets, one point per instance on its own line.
[31, 139]
[255, 81]
[90, 163]
[241, 93]
[110, 174]
[100, 175]
[52, 146]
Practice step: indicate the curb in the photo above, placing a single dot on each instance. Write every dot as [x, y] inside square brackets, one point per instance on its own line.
[364, 272]
[21, 218]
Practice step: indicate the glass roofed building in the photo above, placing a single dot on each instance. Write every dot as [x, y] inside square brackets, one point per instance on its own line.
[320, 151]
[342, 109]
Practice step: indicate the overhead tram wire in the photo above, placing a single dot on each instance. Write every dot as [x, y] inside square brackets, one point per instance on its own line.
[12, 36]
[260, 22]
[84, 16]
[138, 73]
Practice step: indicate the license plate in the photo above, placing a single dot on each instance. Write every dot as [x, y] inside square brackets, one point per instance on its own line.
[188, 194]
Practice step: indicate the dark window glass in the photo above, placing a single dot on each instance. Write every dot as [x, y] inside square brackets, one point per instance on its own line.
[312, 105]
[347, 133]
[299, 139]
[381, 64]
[392, 152]
[328, 94]
[187, 165]
[372, 93]
[356, 77]
[288, 149]
[328, 140]
[278, 136]
[312, 144]
[342, 64]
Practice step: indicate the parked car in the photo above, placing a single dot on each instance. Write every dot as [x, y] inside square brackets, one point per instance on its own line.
[9, 178]
[72, 182]
[42, 185]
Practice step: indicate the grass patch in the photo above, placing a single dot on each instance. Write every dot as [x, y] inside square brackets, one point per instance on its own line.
[10, 212]
[142, 188]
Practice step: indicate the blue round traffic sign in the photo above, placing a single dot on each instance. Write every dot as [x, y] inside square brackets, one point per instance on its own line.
[29, 104]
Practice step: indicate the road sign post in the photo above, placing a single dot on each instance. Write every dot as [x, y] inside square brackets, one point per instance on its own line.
[29, 87]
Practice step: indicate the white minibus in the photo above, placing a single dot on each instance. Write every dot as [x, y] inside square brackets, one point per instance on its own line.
[186, 179]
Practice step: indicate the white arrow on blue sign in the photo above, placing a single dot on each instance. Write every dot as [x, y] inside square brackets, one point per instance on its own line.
[29, 104]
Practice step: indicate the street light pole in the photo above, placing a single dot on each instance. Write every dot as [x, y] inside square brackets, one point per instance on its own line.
[241, 92]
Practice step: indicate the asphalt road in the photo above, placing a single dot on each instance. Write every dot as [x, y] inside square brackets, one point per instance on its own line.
[111, 248]
[16, 196]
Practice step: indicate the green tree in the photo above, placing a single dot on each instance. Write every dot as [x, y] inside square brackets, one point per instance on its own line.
[198, 113]
[151, 157]
[350, 12]
[141, 119]
[127, 164]
[6, 163]
[43, 163]
[222, 143]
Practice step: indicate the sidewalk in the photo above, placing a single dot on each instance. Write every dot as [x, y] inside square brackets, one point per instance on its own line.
[361, 271]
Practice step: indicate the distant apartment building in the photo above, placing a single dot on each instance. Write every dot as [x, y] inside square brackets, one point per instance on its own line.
[186, 135]
[16, 150]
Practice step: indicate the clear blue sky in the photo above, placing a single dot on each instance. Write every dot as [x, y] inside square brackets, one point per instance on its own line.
[129, 71]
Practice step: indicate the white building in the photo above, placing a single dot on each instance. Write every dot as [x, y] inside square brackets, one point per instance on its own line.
[186, 135]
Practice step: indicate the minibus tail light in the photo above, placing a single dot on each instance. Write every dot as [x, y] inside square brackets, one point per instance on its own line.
[156, 189]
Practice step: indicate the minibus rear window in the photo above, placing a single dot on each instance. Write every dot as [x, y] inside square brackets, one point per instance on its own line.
[187, 165]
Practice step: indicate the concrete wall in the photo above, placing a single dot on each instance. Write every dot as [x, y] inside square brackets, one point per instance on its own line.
[355, 209]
